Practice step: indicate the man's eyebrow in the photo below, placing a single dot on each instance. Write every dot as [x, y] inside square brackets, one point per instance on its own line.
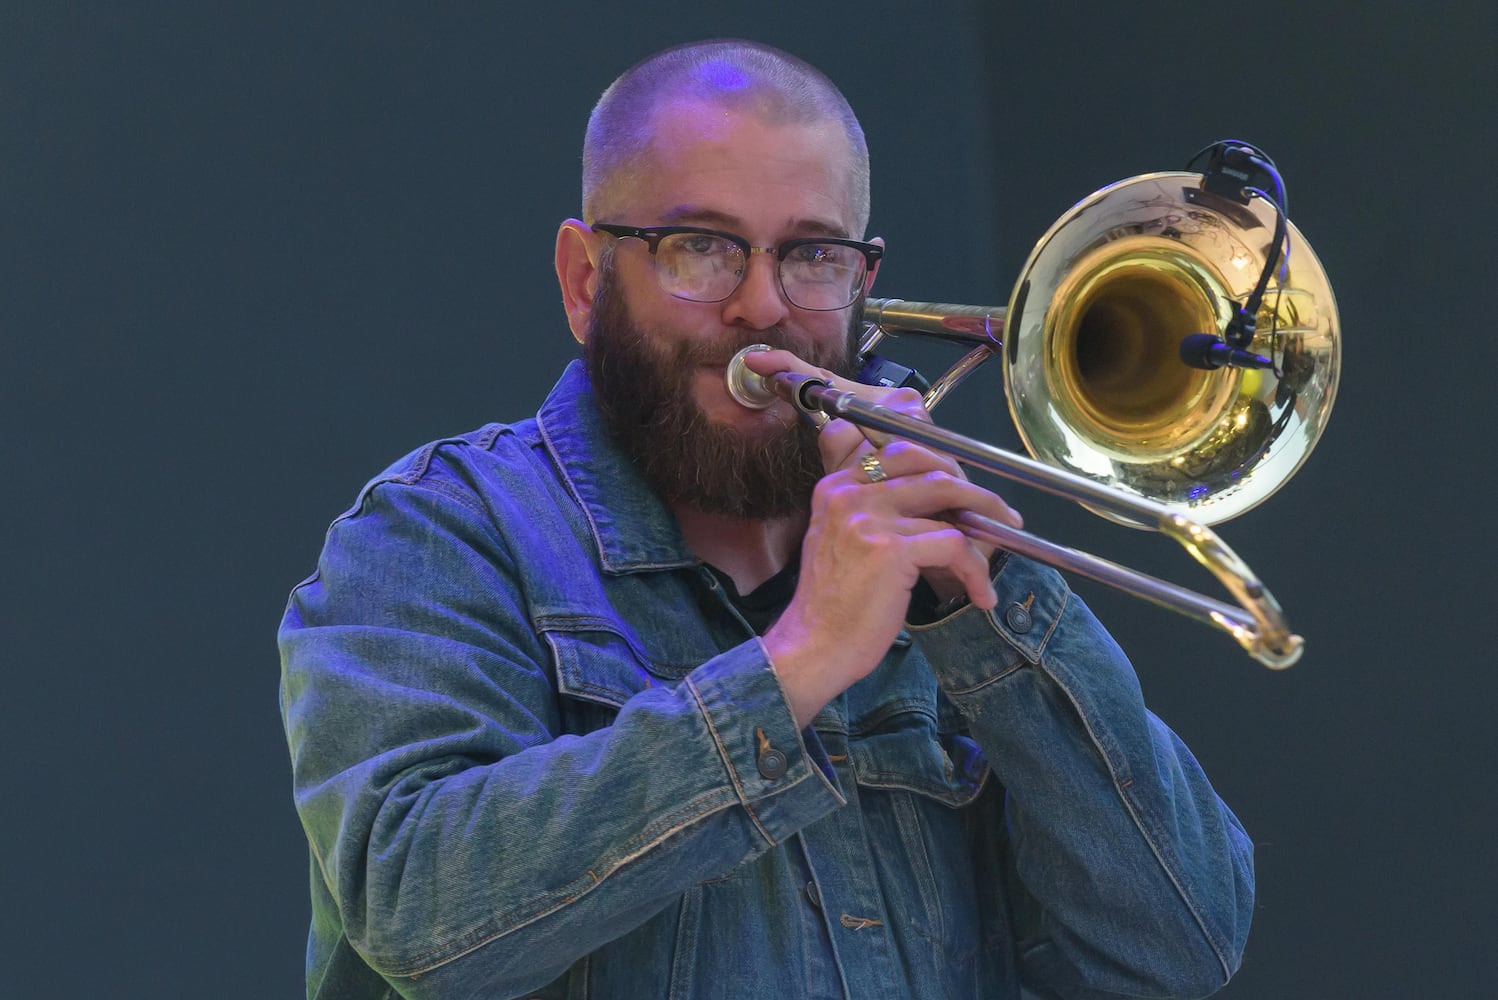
[695, 215]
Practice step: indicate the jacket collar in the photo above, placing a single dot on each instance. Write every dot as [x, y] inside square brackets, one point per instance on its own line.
[633, 529]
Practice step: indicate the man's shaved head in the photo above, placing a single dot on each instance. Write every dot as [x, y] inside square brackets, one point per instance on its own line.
[741, 76]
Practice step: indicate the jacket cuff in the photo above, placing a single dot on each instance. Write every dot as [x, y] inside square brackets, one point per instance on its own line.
[783, 778]
[1032, 598]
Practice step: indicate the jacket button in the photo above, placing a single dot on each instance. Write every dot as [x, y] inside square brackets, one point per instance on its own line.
[771, 764]
[1017, 617]
[813, 896]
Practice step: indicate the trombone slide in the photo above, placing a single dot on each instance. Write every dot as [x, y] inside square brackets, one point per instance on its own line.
[1256, 623]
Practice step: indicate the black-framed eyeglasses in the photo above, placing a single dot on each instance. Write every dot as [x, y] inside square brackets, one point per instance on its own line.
[818, 273]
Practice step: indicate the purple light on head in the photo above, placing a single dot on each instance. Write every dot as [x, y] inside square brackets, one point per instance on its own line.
[723, 76]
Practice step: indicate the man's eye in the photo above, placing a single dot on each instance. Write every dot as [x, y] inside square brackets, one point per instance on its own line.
[817, 253]
[701, 245]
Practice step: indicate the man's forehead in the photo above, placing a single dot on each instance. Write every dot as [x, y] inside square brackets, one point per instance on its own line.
[699, 153]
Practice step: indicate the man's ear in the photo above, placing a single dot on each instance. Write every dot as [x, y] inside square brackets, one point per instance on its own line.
[578, 253]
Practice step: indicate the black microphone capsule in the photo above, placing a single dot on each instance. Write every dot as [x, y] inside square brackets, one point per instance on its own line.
[1209, 353]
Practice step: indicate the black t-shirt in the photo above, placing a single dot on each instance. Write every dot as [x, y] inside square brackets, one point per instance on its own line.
[762, 605]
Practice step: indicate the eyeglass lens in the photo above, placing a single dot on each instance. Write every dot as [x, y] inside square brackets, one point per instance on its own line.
[707, 268]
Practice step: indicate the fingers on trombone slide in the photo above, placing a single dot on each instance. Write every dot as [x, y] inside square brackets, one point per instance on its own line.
[907, 470]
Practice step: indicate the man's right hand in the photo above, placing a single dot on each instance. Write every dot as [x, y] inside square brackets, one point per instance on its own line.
[867, 544]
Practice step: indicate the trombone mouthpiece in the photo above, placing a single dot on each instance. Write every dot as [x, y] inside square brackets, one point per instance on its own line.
[749, 388]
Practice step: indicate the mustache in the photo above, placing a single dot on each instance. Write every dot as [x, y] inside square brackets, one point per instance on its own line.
[718, 351]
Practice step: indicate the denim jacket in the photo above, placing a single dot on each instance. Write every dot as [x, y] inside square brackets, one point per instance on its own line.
[537, 752]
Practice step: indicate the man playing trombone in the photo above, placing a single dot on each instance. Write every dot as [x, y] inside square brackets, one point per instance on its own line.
[655, 695]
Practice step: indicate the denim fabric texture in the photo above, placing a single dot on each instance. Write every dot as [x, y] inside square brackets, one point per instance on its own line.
[537, 752]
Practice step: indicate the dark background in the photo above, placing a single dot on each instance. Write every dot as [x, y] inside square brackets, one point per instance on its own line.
[250, 254]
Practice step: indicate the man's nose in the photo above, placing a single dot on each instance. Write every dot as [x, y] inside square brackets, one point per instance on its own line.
[758, 302]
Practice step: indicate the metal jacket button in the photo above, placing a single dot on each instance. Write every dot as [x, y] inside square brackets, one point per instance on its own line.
[771, 764]
[1018, 617]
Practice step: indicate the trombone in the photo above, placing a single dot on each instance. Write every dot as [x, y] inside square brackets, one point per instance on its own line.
[1170, 353]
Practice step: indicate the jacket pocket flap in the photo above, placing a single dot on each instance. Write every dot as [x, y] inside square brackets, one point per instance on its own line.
[598, 664]
[912, 756]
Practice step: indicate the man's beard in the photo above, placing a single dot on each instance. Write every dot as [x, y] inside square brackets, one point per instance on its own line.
[643, 386]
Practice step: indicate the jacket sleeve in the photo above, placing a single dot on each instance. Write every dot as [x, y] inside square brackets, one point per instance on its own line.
[468, 845]
[1129, 876]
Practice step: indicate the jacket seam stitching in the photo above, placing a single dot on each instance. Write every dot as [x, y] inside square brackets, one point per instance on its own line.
[1144, 829]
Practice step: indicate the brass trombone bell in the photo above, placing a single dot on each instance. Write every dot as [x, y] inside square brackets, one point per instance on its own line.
[1091, 335]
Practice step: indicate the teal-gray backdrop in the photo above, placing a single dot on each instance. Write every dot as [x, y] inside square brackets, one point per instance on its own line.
[249, 253]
